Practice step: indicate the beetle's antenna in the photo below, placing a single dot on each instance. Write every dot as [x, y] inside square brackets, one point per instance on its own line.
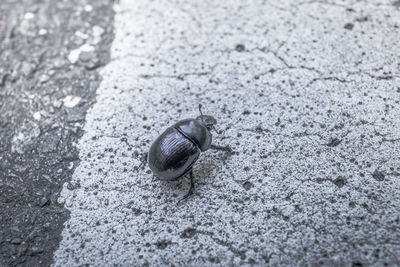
[200, 106]
[201, 113]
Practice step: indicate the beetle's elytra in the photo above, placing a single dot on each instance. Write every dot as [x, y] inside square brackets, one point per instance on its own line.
[174, 152]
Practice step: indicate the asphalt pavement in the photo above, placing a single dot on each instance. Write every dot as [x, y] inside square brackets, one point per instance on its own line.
[305, 93]
[43, 101]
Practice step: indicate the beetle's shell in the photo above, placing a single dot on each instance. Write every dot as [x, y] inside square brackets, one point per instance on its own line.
[172, 155]
[196, 132]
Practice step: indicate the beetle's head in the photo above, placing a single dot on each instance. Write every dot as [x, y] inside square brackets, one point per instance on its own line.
[207, 120]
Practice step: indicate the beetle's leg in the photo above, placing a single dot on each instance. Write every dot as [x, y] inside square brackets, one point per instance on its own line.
[223, 148]
[218, 132]
[190, 189]
[143, 161]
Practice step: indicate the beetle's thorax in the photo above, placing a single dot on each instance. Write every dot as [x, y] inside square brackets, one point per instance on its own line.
[196, 132]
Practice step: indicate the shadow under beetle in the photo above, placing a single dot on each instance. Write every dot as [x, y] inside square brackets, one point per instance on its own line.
[174, 152]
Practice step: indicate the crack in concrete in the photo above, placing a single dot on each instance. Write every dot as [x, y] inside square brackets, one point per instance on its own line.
[181, 76]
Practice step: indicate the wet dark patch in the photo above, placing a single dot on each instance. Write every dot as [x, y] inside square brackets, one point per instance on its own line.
[362, 19]
[349, 26]
[35, 167]
[378, 175]
[339, 182]
[240, 48]
[188, 233]
[248, 185]
[214, 260]
[162, 244]
[334, 142]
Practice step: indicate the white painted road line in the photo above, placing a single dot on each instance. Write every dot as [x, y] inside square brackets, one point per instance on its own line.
[306, 96]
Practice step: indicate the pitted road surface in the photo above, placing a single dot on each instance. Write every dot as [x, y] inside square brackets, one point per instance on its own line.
[307, 95]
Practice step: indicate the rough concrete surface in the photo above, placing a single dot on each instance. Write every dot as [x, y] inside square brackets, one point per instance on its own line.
[43, 101]
[307, 94]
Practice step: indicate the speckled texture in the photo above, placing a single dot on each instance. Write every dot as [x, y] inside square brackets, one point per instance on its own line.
[43, 102]
[308, 97]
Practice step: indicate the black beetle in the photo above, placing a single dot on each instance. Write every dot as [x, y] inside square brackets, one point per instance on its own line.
[174, 152]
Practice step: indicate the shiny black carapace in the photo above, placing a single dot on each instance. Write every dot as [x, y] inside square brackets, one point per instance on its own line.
[174, 152]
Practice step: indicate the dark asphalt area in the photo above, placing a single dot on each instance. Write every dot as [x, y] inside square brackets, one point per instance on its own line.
[38, 132]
